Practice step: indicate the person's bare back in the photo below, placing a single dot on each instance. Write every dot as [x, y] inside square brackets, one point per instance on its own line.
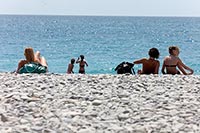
[151, 65]
[172, 62]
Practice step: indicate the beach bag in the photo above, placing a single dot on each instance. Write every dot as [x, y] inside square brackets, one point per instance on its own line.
[125, 67]
[33, 68]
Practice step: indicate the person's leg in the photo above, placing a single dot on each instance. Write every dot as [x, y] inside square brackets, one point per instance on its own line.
[82, 71]
[37, 56]
[43, 61]
[40, 59]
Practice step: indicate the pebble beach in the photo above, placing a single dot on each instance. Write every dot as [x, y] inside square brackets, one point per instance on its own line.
[74, 103]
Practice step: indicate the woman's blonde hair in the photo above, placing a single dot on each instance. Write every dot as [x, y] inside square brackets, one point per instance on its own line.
[29, 54]
[171, 48]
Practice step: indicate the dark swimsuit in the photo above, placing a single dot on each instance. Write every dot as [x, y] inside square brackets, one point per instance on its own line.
[170, 65]
[82, 71]
[173, 66]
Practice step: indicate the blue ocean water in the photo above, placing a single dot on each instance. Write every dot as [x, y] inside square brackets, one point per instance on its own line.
[105, 41]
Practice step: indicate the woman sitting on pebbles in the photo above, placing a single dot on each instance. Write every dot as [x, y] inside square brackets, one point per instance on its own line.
[151, 65]
[33, 62]
[172, 61]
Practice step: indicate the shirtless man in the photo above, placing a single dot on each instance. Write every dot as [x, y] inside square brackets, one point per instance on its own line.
[150, 65]
[172, 61]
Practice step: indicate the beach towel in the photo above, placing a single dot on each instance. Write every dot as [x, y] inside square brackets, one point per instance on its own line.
[33, 68]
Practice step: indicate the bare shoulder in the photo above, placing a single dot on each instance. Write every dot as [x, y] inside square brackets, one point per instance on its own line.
[157, 62]
[178, 58]
[167, 57]
[143, 59]
[139, 61]
[23, 61]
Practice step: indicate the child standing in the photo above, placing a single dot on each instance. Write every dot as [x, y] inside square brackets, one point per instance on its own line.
[71, 66]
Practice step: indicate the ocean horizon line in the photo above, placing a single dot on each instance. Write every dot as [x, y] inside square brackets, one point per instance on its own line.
[67, 15]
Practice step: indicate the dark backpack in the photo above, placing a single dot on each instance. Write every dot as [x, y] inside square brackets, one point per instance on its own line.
[125, 67]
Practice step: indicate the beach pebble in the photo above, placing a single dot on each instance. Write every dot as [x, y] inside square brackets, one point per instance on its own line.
[6, 130]
[97, 102]
[122, 95]
[123, 116]
[24, 121]
[37, 128]
[3, 118]
[87, 130]
[116, 128]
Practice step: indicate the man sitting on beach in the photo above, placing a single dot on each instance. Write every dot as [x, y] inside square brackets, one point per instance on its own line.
[151, 65]
[172, 61]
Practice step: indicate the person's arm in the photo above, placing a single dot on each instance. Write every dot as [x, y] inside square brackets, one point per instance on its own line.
[20, 65]
[181, 65]
[140, 61]
[163, 67]
[78, 61]
[181, 69]
[72, 68]
[157, 68]
[86, 63]
[68, 69]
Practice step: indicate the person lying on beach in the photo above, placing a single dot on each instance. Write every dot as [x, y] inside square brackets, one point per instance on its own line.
[172, 61]
[150, 65]
[82, 64]
[38, 63]
[70, 67]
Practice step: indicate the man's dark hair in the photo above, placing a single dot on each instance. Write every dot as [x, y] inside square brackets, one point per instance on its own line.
[153, 52]
[72, 61]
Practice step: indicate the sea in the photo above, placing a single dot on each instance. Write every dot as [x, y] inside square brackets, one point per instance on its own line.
[105, 41]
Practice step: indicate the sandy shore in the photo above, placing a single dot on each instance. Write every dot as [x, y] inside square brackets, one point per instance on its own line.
[99, 103]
